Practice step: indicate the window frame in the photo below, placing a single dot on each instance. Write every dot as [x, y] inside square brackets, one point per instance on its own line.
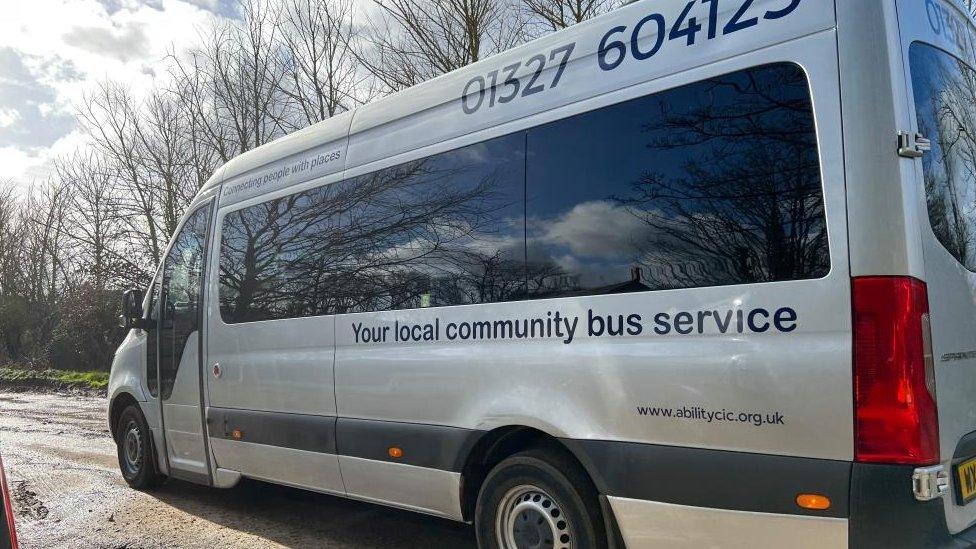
[160, 280]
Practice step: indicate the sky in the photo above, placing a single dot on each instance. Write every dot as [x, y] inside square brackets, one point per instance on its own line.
[52, 52]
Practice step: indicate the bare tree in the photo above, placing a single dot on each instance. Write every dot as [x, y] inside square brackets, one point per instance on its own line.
[13, 306]
[46, 238]
[45, 259]
[111, 117]
[231, 81]
[411, 41]
[169, 158]
[10, 241]
[323, 78]
[558, 14]
[94, 220]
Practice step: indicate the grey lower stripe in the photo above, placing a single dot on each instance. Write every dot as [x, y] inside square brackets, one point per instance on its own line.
[714, 478]
[686, 476]
[432, 446]
[298, 431]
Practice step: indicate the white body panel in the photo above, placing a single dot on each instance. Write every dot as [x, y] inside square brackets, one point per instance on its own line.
[312, 470]
[129, 367]
[181, 414]
[421, 489]
[602, 381]
[647, 524]
[431, 113]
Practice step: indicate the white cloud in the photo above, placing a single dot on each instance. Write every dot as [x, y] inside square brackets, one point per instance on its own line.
[8, 117]
[52, 52]
[26, 87]
[125, 44]
[17, 163]
[225, 8]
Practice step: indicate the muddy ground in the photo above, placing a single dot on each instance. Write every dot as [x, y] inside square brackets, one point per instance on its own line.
[67, 492]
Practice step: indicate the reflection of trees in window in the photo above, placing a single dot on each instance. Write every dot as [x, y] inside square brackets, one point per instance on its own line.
[745, 203]
[713, 183]
[945, 90]
[435, 231]
[181, 294]
[428, 228]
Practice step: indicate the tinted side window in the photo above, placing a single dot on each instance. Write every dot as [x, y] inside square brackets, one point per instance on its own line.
[274, 260]
[443, 230]
[713, 183]
[945, 103]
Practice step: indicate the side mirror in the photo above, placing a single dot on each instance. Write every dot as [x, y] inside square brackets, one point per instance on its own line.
[132, 310]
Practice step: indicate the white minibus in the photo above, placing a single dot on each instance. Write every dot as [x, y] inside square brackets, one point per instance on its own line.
[695, 273]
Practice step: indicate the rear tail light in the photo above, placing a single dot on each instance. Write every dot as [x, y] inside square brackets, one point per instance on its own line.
[894, 386]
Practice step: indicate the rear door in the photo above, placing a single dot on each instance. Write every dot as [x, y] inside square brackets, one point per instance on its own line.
[937, 41]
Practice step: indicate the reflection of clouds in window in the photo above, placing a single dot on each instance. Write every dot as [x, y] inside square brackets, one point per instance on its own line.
[596, 228]
[713, 183]
[945, 96]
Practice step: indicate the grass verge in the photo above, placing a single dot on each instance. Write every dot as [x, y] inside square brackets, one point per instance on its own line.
[58, 380]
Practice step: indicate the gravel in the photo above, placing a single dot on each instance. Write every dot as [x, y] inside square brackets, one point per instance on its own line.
[67, 492]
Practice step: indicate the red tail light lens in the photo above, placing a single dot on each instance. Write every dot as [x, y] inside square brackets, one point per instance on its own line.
[896, 420]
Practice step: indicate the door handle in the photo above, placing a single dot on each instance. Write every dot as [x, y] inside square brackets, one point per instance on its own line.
[217, 370]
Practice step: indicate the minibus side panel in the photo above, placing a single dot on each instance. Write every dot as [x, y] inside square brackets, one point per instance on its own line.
[874, 106]
[392, 387]
[602, 388]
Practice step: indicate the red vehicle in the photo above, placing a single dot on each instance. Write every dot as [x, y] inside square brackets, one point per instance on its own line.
[8, 536]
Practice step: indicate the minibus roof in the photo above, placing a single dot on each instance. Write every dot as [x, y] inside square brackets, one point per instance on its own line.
[425, 114]
[415, 99]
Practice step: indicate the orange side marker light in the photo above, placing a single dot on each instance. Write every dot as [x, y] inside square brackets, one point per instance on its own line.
[396, 452]
[237, 434]
[815, 502]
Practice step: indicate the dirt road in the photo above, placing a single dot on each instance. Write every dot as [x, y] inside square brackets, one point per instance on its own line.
[68, 492]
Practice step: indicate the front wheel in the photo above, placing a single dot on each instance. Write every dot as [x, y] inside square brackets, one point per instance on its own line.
[137, 459]
[538, 500]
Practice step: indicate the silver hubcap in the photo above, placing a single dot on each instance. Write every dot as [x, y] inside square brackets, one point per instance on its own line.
[132, 448]
[529, 518]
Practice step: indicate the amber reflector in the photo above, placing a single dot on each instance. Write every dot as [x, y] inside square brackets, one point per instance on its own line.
[813, 501]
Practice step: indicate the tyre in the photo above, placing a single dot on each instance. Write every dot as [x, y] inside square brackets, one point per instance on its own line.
[538, 499]
[137, 456]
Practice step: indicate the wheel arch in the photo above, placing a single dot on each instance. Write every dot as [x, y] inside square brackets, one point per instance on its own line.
[119, 402]
[497, 444]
